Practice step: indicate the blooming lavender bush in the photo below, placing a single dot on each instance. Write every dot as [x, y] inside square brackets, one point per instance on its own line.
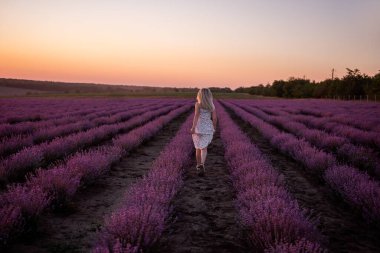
[31, 200]
[300, 246]
[357, 155]
[60, 112]
[139, 222]
[117, 247]
[14, 143]
[29, 158]
[314, 159]
[266, 209]
[56, 185]
[357, 188]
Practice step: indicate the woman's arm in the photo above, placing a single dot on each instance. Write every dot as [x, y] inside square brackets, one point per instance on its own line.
[214, 119]
[196, 117]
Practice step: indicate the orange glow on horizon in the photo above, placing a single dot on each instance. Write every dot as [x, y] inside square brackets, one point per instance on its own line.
[182, 44]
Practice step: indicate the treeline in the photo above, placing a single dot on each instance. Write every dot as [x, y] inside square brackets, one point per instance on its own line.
[354, 85]
[67, 87]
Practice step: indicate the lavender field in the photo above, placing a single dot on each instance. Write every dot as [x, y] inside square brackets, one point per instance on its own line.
[118, 175]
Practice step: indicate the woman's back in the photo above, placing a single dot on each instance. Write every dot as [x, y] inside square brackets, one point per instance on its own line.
[203, 128]
[204, 125]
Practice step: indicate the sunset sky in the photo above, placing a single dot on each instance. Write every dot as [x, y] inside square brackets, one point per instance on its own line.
[187, 43]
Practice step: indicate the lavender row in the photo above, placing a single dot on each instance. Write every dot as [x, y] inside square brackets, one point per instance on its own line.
[352, 134]
[139, 222]
[364, 116]
[356, 119]
[29, 158]
[22, 110]
[48, 110]
[356, 155]
[333, 115]
[371, 139]
[57, 108]
[270, 214]
[24, 203]
[360, 191]
[313, 158]
[30, 127]
[15, 143]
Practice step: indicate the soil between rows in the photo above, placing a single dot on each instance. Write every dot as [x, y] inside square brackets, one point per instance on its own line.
[76, 230]
[343, 227]
[204, 218]
[22, 178]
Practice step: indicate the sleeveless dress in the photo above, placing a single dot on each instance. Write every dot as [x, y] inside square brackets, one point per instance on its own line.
[204, 130]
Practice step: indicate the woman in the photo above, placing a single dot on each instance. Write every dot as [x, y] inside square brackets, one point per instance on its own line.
[204, 125]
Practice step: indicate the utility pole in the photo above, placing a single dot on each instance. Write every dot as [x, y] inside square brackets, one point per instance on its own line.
[332, 74]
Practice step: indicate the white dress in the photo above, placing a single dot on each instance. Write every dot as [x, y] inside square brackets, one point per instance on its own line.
[204, 130]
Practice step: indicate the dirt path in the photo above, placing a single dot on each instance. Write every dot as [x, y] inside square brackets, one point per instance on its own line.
[75, 231]
[204, 217]
[345, 229]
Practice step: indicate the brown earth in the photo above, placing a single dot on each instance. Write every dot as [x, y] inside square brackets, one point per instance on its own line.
[204, 217]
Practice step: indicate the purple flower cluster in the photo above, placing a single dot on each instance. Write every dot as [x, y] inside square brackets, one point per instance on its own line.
[355, 115]
[357, 155]
[300, 246]
[53, 187]
[140, 220]
[31, 157]
[41, 109]
[107, 113]
[31, 200]
[270, 214]
[356, 187]
[355, 135]
[13, 143]
[70, 125]
[36, 111]
[341, 125]
[314, 159]
[57, 117]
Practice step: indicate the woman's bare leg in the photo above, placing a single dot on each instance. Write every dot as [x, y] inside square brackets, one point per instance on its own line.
[198, 156]
[203, 155]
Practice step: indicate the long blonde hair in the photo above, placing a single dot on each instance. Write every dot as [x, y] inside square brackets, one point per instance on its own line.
[204, 98]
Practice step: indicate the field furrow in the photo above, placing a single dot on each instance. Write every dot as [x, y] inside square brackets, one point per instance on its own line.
[53, 188]
[344, 229]
[364, 158]
[28, 159]
[357, 188]
[13, 144]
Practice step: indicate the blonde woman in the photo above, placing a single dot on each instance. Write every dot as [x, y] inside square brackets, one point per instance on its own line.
[204, 125]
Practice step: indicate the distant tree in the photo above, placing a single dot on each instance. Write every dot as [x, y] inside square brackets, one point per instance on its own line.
[354, 83]
[218, 89]
[278, 87]
[375, 85]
